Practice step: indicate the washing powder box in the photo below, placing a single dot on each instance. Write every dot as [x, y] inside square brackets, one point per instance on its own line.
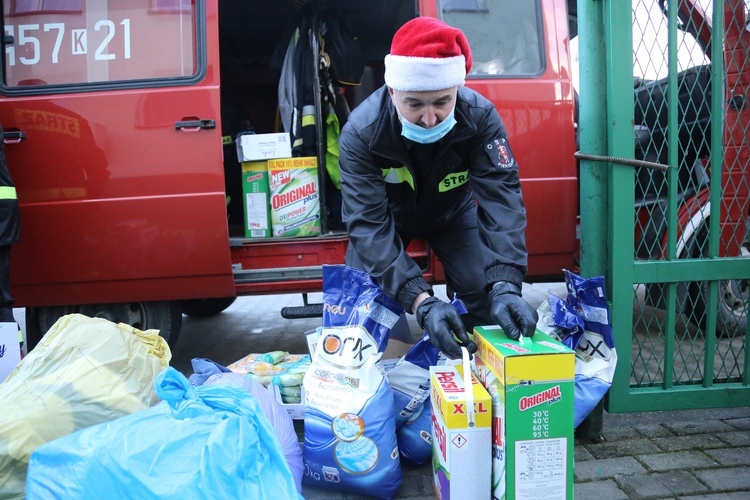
[532, 389]
[253, 147]
[255, 199]
[461, 449]
[295, 199]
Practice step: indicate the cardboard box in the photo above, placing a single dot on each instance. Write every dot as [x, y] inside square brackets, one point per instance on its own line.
[461, 450]
[255, 199]
[532, 387]
[10, 349]
[253, 147]
[295, 198]
[258, 367]
[295, 410]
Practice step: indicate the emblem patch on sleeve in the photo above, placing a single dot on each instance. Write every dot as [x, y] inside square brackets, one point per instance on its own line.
[500, 154]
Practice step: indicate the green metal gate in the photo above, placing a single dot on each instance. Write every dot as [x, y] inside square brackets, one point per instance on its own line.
[669, 230]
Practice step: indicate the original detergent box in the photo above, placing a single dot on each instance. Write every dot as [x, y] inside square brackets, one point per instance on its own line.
[461, 438]
[295, 198]
[255, 199]
[532, 387]
[253, 147]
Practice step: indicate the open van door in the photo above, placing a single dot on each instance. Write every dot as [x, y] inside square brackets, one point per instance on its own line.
[113, 138]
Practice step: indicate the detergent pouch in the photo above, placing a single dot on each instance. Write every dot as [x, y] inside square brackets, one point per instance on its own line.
[582, 323]
[211, 441]
[410, 381]
[350, 431]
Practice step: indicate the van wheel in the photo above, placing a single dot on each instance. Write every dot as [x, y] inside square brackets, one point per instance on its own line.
[164, 316]
[731, 307]
[204, 308]
[732, 296]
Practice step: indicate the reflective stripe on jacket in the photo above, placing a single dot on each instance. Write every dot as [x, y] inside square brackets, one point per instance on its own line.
[10, 230]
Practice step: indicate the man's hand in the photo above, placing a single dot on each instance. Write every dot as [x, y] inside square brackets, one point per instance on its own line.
[511, 312]
[444, 325]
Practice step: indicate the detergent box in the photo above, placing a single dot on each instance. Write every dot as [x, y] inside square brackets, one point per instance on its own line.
[255, 199]
[295, 198]
[532, 387]
[253, 147]
[461, 438]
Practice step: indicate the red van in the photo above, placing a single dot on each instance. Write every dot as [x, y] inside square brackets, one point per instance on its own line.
[120, 118]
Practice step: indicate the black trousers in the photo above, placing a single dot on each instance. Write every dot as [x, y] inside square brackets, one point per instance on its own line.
[457, 245]
[6, 299]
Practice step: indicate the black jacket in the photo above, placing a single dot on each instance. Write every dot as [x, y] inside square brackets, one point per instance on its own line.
[387, 197]
[10, 226]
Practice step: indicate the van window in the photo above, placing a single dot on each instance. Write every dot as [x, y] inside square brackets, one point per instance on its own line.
[58, 42]
[505, 35]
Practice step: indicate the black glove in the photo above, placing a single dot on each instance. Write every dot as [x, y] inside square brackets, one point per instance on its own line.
[444, 326]
[511, 312]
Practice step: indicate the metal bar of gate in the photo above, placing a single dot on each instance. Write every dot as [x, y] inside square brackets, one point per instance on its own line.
[717, 167]
[672, 185]
[621, 189]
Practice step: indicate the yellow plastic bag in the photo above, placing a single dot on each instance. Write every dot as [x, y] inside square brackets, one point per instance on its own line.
[85, 371]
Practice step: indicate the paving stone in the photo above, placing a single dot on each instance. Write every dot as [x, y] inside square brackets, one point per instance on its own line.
[742, 424]
[599, 490]
[412, 485]
[732, 479]
[619, 433]
[582, 454]
[642, 486]
[680, 482]
[739, 495]
[653, 430]
[627, 447]
[741, 438]
[731, 456]
[676, 460]
[698, 427]
[692, 442]
[427, 484]
[607, 468]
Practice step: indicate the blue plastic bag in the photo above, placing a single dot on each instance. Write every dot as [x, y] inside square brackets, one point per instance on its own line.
[199, 442]
[209, 372]
[350, 431]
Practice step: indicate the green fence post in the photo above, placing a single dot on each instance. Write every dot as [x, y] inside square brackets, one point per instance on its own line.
[592, 136]
[618, 25]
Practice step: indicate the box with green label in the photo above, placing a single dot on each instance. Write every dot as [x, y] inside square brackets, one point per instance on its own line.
[295, 199]
[532, 385]
[255, 199]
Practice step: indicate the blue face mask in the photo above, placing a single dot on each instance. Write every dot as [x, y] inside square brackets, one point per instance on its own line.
[428, 135]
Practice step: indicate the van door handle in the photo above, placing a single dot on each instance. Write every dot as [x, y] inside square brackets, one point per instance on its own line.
[13, 136]
[194, 125]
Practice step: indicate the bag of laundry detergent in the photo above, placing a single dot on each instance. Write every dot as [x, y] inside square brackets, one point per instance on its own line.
[410, 381]
[581, 322]
[350, 430]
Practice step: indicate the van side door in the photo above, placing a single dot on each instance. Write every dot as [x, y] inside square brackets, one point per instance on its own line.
[111, 117]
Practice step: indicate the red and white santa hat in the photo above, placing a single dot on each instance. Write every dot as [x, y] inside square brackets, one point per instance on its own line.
[427, 54]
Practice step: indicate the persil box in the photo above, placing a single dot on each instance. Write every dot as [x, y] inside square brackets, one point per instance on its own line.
[253, 147]
[461, 434]
[295, 199]
[532, 388]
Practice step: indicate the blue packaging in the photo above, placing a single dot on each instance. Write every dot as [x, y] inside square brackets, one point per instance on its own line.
[350, 431]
